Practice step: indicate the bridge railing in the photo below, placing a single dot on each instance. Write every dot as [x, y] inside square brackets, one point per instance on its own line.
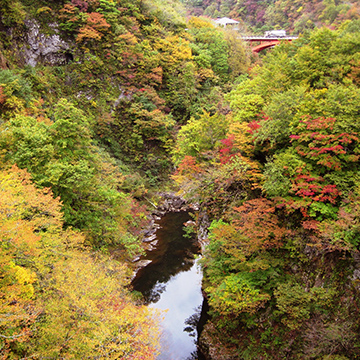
[263, 38]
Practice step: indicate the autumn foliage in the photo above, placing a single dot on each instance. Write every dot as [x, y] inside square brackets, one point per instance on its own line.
[280, 184]
[56, 298]
[265, 147]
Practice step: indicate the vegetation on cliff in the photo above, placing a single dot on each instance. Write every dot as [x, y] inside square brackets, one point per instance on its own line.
[92, 93]
[281, 268]
[296, 16]
[101, 99]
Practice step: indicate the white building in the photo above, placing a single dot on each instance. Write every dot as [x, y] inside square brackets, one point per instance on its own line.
[225, 21]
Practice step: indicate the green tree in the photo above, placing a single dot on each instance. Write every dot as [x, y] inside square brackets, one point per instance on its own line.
[61, 155]
[199, 137]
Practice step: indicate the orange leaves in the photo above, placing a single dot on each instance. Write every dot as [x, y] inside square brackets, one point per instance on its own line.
[254, 229]
[2, 96]
[68, 9]
[95, 23]
[88, 32]
[88, 25]
[190, 176]
[188, 165]
[257, 221]
[155, 77]
[238, 261]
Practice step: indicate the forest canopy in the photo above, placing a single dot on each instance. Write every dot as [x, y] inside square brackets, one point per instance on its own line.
[279, 177]
[105, 103]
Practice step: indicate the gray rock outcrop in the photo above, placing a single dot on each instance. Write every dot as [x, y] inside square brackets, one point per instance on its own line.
[45, 49]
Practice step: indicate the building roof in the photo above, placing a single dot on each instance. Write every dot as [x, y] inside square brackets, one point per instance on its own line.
[225, 21]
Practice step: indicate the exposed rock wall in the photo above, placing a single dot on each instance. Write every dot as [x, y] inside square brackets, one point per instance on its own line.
[170, 203]
[173, 203]
[43, 48]
[211, 347]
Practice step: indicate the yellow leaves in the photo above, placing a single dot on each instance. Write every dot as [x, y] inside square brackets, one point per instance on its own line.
[86, 308]
[89, 307]
[21, 200]
[197, 22]
[25, 278]
[128, 38]
[44, 10]
[174, 50]
[205, 74]
[14, 103]
[235, 295]
[243, 142]
[22, 275]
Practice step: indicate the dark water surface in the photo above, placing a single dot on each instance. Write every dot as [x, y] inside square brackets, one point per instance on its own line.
[172, 282]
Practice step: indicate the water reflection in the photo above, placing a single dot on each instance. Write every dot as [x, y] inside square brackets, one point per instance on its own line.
[173, 254]
[182, 300]
[193, 321]
[172, 282]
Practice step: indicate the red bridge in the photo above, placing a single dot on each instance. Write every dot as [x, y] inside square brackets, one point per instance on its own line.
[266, 42]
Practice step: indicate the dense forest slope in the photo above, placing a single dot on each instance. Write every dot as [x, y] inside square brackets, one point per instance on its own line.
[279, 176]
[91, 96]
[294, 16]
[91, 88]
[100, 100]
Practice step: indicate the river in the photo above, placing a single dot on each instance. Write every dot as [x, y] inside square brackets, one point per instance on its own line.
[172, 282]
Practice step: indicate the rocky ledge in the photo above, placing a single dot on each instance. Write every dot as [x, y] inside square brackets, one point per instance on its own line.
[211, 346]
[170, 203]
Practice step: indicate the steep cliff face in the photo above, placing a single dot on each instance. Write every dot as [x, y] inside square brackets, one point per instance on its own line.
[281, 269]
[44, 48]
[212, 346]
[32, 44]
